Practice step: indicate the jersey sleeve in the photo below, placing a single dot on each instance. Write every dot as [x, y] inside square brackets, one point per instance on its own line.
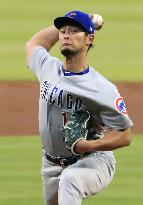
[114, 112]
[38, 59]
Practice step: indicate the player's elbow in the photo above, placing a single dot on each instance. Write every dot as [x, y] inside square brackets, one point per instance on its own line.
[127, 142]
[127, 137]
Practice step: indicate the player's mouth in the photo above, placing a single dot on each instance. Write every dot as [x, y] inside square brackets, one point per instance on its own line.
[66, 44]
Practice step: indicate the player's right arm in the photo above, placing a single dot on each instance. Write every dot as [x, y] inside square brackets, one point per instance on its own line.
[46, 38]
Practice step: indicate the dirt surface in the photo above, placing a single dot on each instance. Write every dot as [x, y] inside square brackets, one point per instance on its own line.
[19, 106]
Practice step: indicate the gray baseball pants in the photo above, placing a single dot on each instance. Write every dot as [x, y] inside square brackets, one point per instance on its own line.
[62, 186]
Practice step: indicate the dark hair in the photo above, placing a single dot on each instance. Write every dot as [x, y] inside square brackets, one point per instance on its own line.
[90, 46]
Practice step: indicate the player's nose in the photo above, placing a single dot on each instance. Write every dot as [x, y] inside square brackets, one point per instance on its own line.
[66, 35]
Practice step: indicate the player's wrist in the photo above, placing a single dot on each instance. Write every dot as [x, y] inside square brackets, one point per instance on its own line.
[82, 146]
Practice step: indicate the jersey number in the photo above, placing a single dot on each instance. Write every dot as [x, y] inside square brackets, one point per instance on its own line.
[64, 114]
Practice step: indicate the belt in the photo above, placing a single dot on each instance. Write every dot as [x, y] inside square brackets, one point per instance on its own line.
[62, 161]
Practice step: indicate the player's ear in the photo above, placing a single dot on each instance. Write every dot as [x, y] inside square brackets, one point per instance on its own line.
[89, 39]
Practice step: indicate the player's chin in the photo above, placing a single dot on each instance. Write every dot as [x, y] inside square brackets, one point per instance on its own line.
[67, 52]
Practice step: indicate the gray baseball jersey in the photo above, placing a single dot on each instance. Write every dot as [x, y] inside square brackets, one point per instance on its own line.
[62, 91]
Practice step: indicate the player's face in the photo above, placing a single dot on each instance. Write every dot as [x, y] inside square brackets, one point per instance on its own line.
[73, 40]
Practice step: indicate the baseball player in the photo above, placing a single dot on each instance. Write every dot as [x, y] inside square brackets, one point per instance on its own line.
[69, 177]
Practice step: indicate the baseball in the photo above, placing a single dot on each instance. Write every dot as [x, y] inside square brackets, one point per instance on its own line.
[97, 21]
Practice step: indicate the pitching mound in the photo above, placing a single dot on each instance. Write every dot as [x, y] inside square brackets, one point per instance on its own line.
[19, 106]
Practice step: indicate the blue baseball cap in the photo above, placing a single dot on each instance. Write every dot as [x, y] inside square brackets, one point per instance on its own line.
[75, 18]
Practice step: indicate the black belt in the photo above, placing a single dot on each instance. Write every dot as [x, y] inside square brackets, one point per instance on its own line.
[62, 161]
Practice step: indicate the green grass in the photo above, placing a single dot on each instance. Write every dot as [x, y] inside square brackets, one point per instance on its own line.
[20, 179]
[118, 50]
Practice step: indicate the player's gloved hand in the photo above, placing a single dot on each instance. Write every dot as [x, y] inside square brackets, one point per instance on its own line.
[97, 21]
[77, 128]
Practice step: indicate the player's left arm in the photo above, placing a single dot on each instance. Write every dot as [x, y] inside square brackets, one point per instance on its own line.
[112, 140]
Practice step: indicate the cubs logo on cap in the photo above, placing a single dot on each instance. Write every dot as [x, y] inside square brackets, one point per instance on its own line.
[120, 106]
[71, 15]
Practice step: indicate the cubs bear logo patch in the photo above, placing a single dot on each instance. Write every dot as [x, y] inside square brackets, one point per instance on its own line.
[120, 106]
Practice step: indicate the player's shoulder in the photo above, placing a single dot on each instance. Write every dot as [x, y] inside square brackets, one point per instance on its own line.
[102, 80]
[41, 62]
[42, 55]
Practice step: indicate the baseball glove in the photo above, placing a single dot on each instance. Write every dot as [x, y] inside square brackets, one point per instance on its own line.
[77, 128]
